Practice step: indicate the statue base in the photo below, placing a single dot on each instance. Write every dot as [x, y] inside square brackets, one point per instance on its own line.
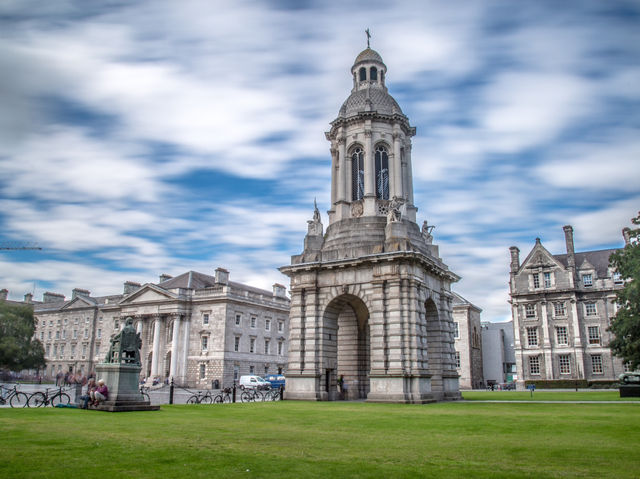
[629, 391]
[124, 393]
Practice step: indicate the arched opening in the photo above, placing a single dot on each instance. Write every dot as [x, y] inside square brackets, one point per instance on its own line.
[363, 74]
[347, 348]
[149, 361]
[357, 174]
[434, 343]
[373, 74]
[167, 365]
[382, 172]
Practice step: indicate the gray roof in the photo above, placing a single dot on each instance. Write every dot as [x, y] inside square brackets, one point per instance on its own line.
[381, 102]
[599, 259]
[368, 55]
[195, 280]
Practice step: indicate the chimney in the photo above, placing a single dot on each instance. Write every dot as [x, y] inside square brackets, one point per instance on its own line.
[28, 298]
[79, 292]
[165, 277]
[625, 234]
[515, 259]
[4, 293]
[568, 238]
[279, 291]
[222, 276]
[130, 287]
[49, 297]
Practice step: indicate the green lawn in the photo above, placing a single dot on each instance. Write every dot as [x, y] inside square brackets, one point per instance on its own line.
[545, 395]
[336, 440]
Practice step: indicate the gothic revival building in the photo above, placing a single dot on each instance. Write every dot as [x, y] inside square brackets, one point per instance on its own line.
[371, 299]
[561, 307]
[195, 328]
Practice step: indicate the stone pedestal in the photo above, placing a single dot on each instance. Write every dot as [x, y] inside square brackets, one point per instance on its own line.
[630, 391]
[124, 394]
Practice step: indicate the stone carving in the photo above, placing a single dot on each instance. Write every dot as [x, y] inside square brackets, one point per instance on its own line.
[395, 215]
[125, 346]
[357, 209]
[314, 227]
[426, 232]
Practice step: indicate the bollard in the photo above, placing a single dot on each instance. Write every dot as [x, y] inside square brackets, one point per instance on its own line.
[234, 393]
[281, 393]
[171, 392]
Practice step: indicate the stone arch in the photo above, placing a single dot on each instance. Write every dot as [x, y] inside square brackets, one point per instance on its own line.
[434, 343]
[167, 364]
[149, 363]
[345, 322]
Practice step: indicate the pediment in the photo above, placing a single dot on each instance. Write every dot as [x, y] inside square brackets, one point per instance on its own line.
[79, 302]
[540, 258]
[586, 266]
[149, 293]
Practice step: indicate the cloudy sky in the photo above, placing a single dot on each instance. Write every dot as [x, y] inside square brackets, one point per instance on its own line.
[148, 137]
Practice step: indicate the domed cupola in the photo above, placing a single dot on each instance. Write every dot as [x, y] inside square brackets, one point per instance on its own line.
[368, 70]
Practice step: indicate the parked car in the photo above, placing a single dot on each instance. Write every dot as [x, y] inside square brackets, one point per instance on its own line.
[276, 380]
[630, 378]
[253, 382]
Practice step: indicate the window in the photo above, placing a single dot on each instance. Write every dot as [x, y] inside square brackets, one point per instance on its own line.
[530, 310]
[594, 334]
[561, 335]
[84, 350]
[357, 174]
[61, 351]
[266, 369]
[532, 336]
[252, 369]
[458, 359]
[238, 319]
[253, 321]
[373, 74]
[280, 347]
[75, 334]
[456, 330]
[236, 373]
[559, 309]
[536, 280]
[363, 74]
[41, 335]
[64, 334]
[266, 346]
[236, 344]
[267, 325]
[565, 364]
[55, 350]
[280, 326]
[99, 333]
[86, 334]
[617, 278]
[204, 341]
[596, 364]
[66, 321]
[626, 366]
[590, 309]
[59, 322]
[116, 325]
[547, 280]
[49, 335]
[203, 370]
[382, 173]
[73, 350]
[252, 345]
[587, 280]
[49, 352]
[57, 334]
[205, 318]
[534, 365]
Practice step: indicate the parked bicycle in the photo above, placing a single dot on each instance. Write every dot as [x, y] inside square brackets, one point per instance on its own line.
[145, 394]
[272, 395]
[39, 398]
[12, 396]
[252, 395]
[223, 397]
[200, 398]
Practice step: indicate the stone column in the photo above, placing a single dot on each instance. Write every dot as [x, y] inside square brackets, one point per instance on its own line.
[155, 359]
[369, 173]
[397, 167]
[395, 337]
[342, 176]
[175, 347]
[517, 346]
[545, 343]
[186, 325]
[577, 341]
[335, 171]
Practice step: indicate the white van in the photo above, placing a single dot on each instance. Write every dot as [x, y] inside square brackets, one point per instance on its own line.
[253, 382]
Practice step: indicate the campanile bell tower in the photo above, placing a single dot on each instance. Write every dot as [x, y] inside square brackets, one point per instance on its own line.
[371, 299]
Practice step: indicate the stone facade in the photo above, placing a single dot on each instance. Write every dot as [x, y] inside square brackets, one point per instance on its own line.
[371, 299]
[468, 343]
[561, 307]
[195, 328]
[498, 355]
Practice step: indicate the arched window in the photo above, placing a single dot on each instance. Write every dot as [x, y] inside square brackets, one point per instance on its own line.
[357, 174]
[363, 74]
[373, 74]
[382, 173]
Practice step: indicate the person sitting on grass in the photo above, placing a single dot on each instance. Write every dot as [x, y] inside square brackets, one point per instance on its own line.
[100, 394]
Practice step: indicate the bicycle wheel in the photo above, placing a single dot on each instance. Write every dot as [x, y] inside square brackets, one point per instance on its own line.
[60, 398]
[246, 397]
[37, 399]
[275, 395]
[19, 400]
[193, 400]
[218, 399]
[227, 399]
[146, 397]
[207, 399]
[257, 396]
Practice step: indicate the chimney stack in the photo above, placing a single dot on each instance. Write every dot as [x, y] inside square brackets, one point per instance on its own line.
[568, 238]
[222, 276]
[80, 292]
[165, 277]
[626, 235]
[28, 298]
[130, 287]
[515, 259]
[50, 297]
[279, 291]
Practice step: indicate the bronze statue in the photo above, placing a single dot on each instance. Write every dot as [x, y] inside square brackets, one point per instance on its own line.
[125, 346]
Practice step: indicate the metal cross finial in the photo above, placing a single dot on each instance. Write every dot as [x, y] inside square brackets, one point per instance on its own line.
[368, 37]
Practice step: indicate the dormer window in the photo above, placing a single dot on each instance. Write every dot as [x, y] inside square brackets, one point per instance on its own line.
[382, 173]
[373, 74]
[587, 280]
[363, 74]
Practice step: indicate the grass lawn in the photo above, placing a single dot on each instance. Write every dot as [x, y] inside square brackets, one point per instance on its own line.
[316, 440]
[545, 395]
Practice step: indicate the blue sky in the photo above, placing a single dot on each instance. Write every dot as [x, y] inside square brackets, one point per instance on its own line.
[149, 137]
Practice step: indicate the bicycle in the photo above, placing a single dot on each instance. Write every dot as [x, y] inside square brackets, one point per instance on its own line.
[200, 398]
[223, 397]
[251, 395]
[145, 394]
[39, 398]
[14, 397]
[272, 395]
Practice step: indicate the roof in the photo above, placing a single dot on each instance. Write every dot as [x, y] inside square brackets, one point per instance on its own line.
[195, 280]
[460, 301]
[381, 102]
[599, 259]
[368, 55]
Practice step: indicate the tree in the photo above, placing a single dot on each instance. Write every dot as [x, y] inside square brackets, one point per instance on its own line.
[18, 349]
[626, 324]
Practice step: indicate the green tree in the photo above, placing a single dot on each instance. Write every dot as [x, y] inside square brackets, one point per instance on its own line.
[18, 349]
[626, 324]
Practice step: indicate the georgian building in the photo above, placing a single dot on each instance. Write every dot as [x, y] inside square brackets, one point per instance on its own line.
[468, 343]
[195, 328]
[561, 307]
